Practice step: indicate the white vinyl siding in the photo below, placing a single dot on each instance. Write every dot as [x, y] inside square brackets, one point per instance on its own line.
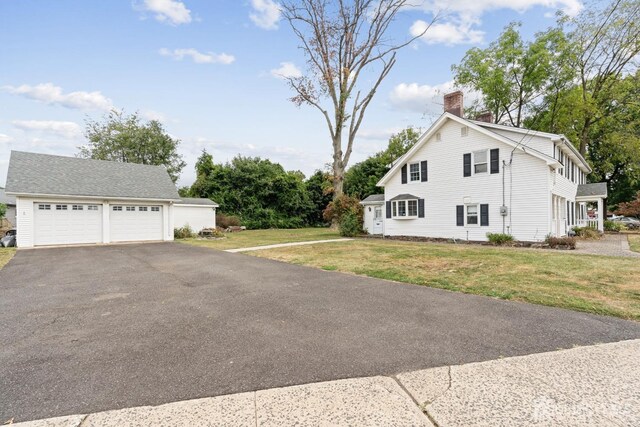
[526, 190]
[196, 217]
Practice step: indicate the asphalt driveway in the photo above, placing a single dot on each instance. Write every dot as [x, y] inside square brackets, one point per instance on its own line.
[96, 328]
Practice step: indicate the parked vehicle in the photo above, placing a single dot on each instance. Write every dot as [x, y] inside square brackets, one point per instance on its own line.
[9, 239]
[629, 222]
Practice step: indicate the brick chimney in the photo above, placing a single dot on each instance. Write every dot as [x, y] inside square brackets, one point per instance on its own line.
[485, 116]
[453, 103]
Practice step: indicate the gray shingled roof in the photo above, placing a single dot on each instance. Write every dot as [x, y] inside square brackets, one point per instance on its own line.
[196, 201]
[596, 189]
[44, 174]
[374, 198]
[6, 200]
[404, 197]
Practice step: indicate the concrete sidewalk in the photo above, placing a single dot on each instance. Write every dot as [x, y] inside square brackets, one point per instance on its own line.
[595, 385]
[284, 245]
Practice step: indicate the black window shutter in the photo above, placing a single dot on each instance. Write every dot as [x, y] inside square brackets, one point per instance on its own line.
[467, 164]
[388, 209]
[495, 160]
[484, 215]
[420, 208]
[460, 216]
[424, 171]
[403, 172]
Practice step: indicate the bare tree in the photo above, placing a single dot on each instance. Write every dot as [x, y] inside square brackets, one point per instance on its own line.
[342, 40]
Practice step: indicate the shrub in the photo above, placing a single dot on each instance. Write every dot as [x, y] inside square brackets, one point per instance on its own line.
[499, 238]
[586, 232]
[340, 206]
[183, 232]
[614, 226]
[350, 224]
[226, 221]
[555, 242]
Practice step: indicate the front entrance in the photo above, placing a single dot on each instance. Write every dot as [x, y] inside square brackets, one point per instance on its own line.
[377, 221]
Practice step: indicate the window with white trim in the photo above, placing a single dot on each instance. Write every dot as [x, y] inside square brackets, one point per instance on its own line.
[92, 207]
[117, 208]
[155, 208]
[414, 172]
[472, 214]
[131, 208]
[61, 207]
[44, 207]
[77, 207]
[480, 164]
[142, 208]
[404, 208]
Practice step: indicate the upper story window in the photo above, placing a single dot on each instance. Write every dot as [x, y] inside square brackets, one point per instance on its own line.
[480, 161]
[414, 172]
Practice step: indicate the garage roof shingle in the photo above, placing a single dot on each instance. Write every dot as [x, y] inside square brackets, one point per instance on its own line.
[45, 174]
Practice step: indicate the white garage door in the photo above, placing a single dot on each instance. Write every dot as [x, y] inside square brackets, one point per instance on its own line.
[67, 223]
[135, 222]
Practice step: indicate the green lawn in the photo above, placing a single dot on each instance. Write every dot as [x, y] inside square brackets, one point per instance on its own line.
[245, 239]
[634, 242]
[5, 256]
[595, 284]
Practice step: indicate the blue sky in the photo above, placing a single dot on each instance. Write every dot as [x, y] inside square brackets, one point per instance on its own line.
[208, 70]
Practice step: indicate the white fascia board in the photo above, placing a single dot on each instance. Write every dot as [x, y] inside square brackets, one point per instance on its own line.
[576, 154]
[69, 196]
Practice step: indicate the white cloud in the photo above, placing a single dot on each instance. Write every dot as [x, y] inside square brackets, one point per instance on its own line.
[378, 134]
[266, 14]
[448, 33]
[153, 115]
[168, 11]
[4, 138]
[286, 70]
[426, 99]
[60, 128]
[53, 95]
[198, 57]
[460, 19]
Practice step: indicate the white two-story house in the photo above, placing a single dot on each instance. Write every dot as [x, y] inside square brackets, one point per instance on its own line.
[466, 178]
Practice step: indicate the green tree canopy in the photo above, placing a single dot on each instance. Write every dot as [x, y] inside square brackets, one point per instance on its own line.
[260, 192]
[123, 138]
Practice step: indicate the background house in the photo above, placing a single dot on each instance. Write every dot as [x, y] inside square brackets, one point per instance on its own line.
[10, 203]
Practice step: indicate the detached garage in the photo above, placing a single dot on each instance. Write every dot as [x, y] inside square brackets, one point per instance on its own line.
[67, 200]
